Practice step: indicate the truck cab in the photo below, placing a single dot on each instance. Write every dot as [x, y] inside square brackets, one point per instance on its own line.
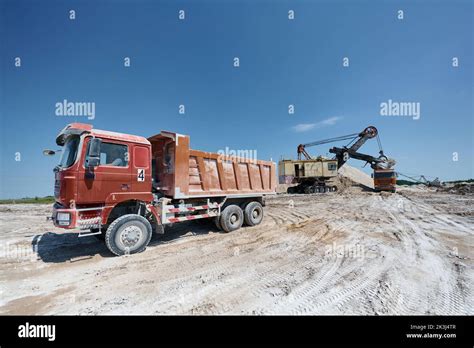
[98, 170]
[384, 180]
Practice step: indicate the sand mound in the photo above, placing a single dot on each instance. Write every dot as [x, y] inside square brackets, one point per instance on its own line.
[355, 175]
[459, 188]
[282, 188]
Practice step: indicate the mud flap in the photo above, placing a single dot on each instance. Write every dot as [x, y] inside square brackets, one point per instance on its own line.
[159, 229]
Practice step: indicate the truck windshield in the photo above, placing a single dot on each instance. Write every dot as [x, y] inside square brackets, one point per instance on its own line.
[384, 175]
[69, 154]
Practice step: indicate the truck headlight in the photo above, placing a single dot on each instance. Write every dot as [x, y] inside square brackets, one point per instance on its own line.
[63, 219]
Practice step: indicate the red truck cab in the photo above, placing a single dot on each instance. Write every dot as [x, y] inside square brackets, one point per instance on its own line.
[85, 190]
[385, 180]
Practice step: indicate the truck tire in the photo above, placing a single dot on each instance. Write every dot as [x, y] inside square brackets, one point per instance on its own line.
[218, 223]
[129, 234]
[231, 218]
[253, 214]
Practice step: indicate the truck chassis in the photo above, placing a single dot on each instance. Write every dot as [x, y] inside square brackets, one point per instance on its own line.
[228, 214]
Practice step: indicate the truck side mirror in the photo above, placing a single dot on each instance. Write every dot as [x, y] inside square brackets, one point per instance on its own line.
[94, 153]
[93, 162]
[48, 152]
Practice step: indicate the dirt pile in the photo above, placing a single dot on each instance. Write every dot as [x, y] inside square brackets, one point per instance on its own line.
[282, 188]
[462, 188]
[343, 183]
[349, 175]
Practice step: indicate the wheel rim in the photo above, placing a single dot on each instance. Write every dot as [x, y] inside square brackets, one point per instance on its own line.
[234, 219]
[130, 236]
[255, 213]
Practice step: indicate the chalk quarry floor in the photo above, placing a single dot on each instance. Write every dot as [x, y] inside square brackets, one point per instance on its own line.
[350, 252]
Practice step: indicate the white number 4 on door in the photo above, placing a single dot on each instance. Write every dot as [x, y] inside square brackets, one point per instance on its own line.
[141, 175]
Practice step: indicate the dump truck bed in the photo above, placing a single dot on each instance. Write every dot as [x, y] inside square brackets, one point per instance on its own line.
[180, 172]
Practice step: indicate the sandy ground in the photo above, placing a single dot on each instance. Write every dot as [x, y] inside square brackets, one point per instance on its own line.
[350, 252]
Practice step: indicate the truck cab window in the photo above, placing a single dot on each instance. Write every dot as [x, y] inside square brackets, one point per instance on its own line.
[112, 155]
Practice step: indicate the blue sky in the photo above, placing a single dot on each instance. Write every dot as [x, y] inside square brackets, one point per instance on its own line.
[282, 62]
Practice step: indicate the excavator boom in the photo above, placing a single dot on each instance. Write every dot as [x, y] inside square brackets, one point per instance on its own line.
[343, 154]
[368, 133]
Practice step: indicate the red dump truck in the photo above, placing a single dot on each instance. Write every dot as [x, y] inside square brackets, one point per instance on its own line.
[123, 187]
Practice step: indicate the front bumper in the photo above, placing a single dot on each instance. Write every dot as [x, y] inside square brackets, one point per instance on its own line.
[70, 218]
[63, 217]
[385, 187]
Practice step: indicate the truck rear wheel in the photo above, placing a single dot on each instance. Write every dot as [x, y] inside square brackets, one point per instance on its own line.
[231, 218]
[129, 234]
[253, 213]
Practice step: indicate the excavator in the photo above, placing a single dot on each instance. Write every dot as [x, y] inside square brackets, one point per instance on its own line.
[421, 179]
[313, 175]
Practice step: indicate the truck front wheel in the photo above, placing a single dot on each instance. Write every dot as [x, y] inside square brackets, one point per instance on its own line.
[253, 213]
[218, 223]
[128, 234]
[231, 218]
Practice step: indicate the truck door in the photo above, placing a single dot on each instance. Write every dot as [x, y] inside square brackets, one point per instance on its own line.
[141, 169]
[113, 175]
